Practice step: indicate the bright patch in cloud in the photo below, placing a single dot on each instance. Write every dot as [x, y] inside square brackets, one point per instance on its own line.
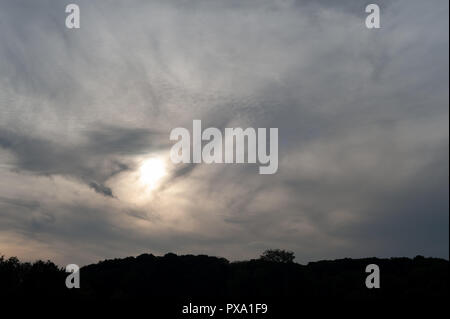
[152, 171]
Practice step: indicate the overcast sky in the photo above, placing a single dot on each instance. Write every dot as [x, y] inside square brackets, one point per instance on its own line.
[363, 118]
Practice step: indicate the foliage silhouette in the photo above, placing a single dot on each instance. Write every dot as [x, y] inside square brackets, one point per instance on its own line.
[278, 255]
[197, 276]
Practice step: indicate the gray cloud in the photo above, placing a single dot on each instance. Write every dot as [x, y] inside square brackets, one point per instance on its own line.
[95, 158]
[101, 189]
[362, 116]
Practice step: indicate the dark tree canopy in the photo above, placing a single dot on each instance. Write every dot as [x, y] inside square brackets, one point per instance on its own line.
[278, 255]
[273, 275]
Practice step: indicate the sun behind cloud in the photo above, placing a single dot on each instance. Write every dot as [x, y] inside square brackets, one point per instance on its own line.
[152, 171]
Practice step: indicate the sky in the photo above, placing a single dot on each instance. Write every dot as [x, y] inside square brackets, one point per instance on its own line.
[362, 114]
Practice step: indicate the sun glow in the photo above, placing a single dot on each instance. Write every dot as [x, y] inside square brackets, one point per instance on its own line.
[152, 171]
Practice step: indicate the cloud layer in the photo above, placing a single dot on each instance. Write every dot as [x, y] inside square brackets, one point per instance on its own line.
[362, 117]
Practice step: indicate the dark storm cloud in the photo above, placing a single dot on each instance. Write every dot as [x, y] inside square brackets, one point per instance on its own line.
[362, 117]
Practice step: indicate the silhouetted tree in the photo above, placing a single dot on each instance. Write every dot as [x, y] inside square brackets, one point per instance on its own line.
[278, 255]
